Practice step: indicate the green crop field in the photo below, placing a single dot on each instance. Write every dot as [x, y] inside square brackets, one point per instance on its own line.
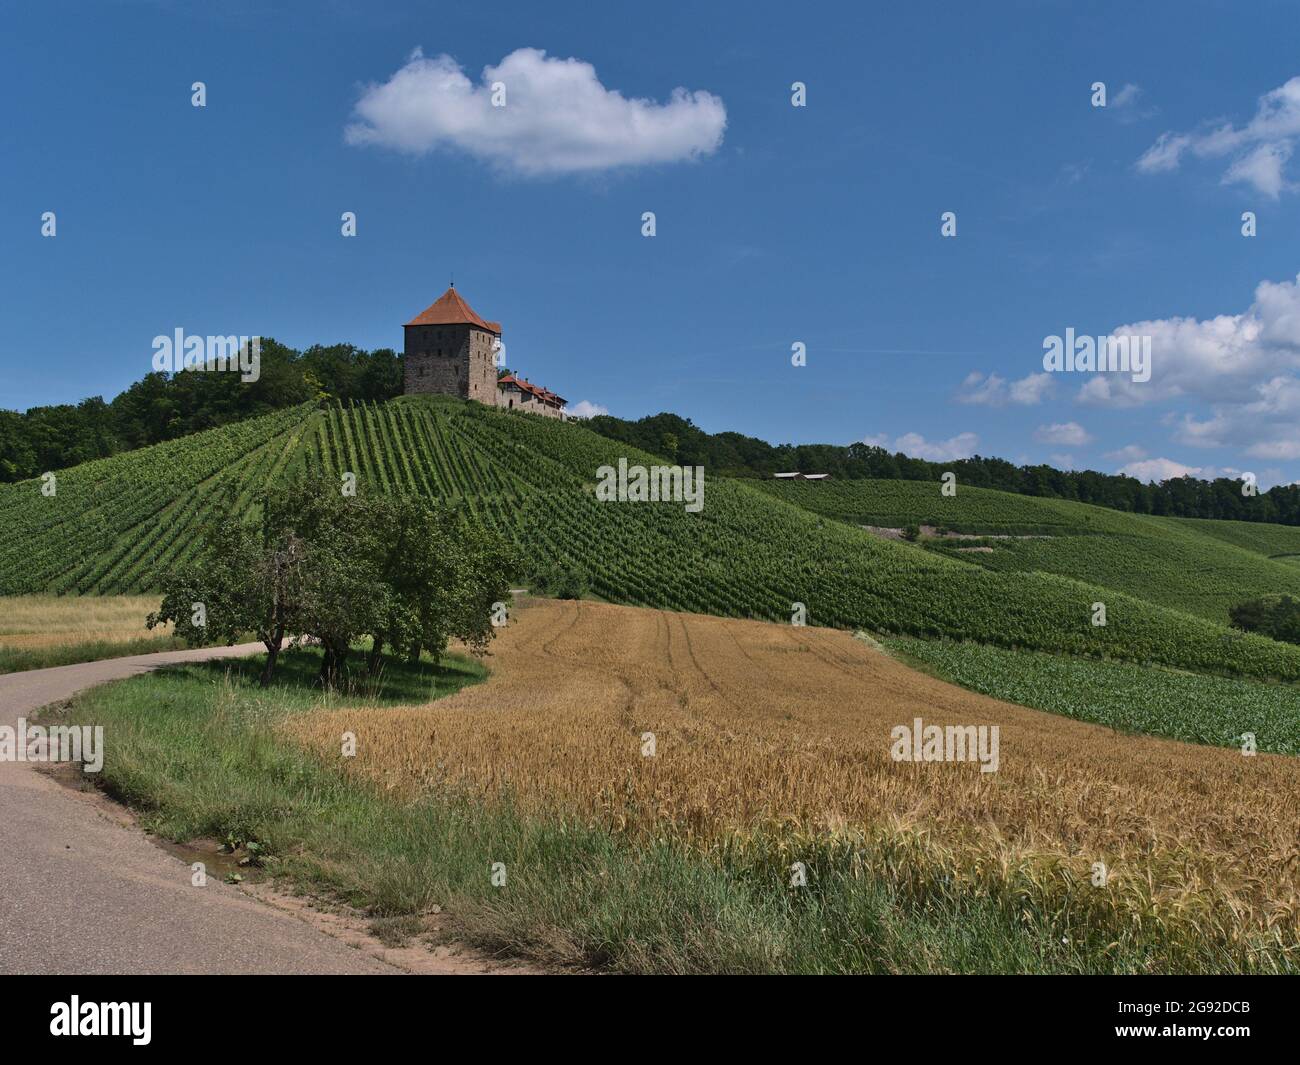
[1194, 708]
[1197, 566]
[113, 524]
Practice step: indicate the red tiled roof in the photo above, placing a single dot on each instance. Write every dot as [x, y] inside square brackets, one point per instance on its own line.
[450, 309]
[544, 394]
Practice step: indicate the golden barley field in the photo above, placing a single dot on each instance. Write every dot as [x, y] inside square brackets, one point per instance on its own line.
[765, 731]
[28, 621]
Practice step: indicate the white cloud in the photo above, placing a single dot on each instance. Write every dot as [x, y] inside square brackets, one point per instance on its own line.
[1163, 469]
[1124, 105]
[1165, 154]
[961, 446]
[1262, 168]
[1127, 96]
[1128, 453]
[1071, 434]
[996, 391]
[558, 117]
[1242, 366]
[1159, 470]
[1259, 150]
[1030, 391]
[584, 408]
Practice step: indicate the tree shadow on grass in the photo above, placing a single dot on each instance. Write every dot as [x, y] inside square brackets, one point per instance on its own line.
[398, 682]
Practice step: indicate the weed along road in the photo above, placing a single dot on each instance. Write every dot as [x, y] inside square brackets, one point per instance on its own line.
[82, 891]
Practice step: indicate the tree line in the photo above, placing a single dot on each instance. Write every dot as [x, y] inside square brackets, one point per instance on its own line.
[163, 406]
[734, 454]
[406, 573]
[1275, 616]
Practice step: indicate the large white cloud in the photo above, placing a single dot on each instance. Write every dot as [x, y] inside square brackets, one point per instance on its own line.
[1259, 150]
[1242, 366]
[557, 119]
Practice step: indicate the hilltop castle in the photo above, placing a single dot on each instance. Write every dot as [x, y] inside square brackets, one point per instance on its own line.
[452, 351]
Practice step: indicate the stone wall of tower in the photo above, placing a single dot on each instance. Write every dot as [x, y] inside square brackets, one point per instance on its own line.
[451, 360]
[482, 370]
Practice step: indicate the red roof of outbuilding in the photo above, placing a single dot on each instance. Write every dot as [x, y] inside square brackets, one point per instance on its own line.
[451, 309]
[527, 386]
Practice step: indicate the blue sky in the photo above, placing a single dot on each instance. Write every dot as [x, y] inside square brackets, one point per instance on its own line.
[775, 224]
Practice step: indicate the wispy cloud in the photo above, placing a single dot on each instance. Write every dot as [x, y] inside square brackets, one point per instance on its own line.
[992, 390]
[1258, 151]
[961, 446]
[1128, 104]
[1071, 434]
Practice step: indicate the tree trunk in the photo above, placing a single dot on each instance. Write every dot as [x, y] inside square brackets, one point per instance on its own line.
[271, 654]
[331, 667]
[376, 656]
[273, 645]
[328, 669]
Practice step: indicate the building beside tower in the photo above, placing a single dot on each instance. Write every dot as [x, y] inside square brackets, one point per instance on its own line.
[451, 351]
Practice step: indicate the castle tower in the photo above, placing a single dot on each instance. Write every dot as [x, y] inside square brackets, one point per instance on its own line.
[451, 350]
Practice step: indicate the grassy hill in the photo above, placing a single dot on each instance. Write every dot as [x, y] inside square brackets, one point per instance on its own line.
[750, 553]
[1191, 564]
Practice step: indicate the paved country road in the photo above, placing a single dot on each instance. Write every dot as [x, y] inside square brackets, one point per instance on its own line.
[82, 892]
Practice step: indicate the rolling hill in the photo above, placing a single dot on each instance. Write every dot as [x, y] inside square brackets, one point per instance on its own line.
[1194, 565]
[1280, 542]
[112, 525]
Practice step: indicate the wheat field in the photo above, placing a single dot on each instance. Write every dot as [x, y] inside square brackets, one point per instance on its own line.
[52, 620]
[774, 736]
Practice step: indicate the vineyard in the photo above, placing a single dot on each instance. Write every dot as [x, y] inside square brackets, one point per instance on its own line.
[109, 526]
[1271, 541]
[895, 504]
[113, 525]
[1193, 565]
